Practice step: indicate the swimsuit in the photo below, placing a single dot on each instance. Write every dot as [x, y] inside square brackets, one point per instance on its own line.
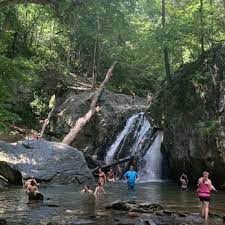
[204, 192]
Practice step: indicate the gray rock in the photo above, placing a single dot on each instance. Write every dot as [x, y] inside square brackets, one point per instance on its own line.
[102, 128]
[45, 161]
[3, 182]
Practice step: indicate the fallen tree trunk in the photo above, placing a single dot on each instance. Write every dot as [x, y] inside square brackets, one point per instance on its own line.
[129, 158]
[45, 124]
[81, 122]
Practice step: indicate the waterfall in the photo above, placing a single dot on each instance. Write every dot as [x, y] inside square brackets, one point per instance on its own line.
[120, 139]
[134, 139]
[151, 168]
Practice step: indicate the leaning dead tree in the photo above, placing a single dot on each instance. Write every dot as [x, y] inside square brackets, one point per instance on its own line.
[81, 122]
[52, 104]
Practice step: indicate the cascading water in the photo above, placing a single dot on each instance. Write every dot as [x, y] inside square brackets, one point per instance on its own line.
[151, 168]
[136, 139]
[120, 139]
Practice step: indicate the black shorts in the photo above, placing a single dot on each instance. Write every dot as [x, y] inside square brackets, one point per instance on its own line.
[204, 199]
[184, 189]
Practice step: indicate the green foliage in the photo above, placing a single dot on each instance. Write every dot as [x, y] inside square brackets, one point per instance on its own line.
[208, 128]
[41, 44]
[7, 118]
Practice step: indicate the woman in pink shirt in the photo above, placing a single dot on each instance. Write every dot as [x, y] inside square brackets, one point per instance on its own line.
[204, 189]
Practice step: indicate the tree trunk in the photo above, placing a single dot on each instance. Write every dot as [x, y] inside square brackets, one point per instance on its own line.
[80, 123]
[165, 49]
[46, 122]
[114, 163]
[201, 26]
[94, 68]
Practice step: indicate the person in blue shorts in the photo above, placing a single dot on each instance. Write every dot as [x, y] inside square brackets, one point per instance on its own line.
[131, 176]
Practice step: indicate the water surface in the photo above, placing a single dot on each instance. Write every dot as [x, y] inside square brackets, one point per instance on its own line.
[65, 204]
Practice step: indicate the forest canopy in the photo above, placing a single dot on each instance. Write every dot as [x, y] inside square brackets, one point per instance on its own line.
[44, 41]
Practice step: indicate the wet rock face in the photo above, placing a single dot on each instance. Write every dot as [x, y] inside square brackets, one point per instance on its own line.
[102, 128]
[194, 118]
[43, 160]
[9, 175]
[3, 182]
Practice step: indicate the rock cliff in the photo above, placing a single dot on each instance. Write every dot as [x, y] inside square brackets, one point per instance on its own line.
[101, 130]
[191, 110]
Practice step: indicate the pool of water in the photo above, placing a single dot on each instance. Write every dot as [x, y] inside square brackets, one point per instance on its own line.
[66, 205]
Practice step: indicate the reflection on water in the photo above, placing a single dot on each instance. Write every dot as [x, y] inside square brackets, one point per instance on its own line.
[66, 205]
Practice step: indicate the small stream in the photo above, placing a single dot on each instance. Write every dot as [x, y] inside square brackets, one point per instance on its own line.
[66, 205]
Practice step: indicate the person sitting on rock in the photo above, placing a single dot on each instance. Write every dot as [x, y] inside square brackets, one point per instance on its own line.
[110, 175]
[87, 190]
[99, 189]
[32, 189]
[184, 182]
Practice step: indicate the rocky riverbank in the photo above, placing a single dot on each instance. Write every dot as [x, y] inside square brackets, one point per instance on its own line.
[149, 213]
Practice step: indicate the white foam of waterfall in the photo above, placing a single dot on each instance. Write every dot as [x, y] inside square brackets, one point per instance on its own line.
[152, 169]
[120, 137]
[140, 135]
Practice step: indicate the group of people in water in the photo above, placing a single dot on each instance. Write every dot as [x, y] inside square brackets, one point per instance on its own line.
[204, 186]
[130, 176]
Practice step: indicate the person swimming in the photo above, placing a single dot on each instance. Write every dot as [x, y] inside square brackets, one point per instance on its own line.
[87, 190]
[204, 190]
[131, 177]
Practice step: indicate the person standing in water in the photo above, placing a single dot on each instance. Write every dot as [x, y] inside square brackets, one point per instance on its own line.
[101, 176]
[184, 182]
[204, 188]
[99, 189]
[131, 177]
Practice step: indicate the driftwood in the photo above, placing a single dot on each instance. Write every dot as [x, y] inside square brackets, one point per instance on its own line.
[81, 122]
[129, 158]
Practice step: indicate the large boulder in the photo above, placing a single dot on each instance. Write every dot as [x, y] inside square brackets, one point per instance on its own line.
[43, 160]
[191, 109]
[100, 131]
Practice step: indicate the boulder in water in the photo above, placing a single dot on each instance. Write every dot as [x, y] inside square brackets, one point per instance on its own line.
[44, 161]
[35, 196]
